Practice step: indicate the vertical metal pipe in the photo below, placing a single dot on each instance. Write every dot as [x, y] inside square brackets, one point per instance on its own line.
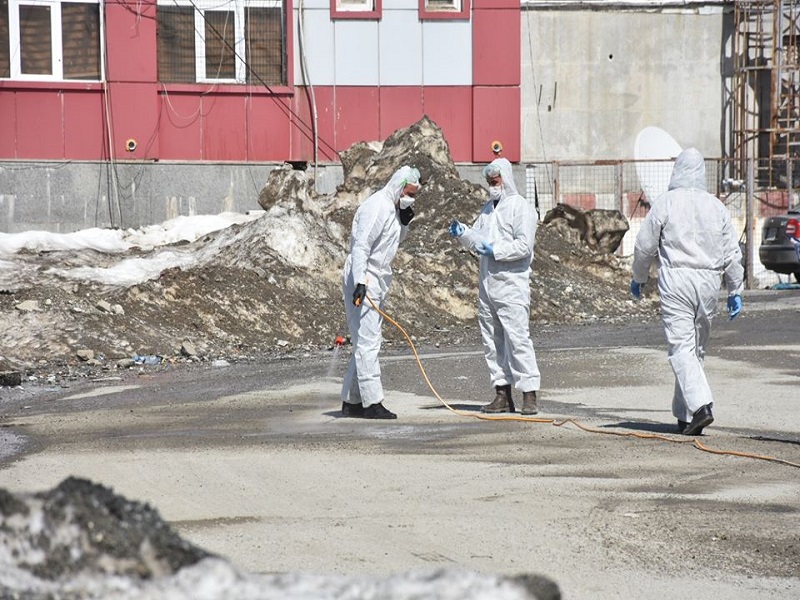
[556, 191]
[620, 190]
[752, 218]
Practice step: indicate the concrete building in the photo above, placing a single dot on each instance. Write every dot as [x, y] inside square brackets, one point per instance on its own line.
[134, 112]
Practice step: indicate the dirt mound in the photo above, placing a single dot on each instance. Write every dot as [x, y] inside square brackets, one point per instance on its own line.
[81, 541]
[273, 285]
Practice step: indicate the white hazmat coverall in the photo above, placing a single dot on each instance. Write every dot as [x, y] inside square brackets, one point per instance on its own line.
[690, 232]
[504, 294]
[374, 239]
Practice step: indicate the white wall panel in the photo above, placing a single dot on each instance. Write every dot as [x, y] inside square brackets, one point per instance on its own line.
[356, 52]
[400, 34]
[318, 46]
[314, 4]
[447, 53]
[401, 5]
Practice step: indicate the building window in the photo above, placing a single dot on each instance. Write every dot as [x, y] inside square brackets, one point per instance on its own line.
[444, 9]
[452, 5]
[355, 9]
[50, 40]
[222, 41]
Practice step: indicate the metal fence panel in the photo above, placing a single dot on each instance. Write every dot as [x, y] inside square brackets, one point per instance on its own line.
[618, 185]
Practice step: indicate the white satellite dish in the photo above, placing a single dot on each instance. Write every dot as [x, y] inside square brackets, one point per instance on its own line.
[655, 152]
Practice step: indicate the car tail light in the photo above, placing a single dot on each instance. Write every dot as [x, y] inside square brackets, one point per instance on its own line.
[793, 228]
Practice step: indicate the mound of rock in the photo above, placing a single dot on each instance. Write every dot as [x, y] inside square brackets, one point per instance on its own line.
[80, 541]
[272, 285]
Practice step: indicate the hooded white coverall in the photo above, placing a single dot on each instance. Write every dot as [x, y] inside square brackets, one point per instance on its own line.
[690, 232]
[375, 236]
[504, 294]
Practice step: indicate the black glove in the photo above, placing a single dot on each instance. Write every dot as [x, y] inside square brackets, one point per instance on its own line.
[406, 214]
[359, 294]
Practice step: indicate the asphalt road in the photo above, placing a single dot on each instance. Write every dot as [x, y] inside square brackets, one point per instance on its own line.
[254, 462]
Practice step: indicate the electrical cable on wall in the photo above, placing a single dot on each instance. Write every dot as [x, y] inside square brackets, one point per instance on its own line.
[112, 171]
[538, 115]
[299, 122]
[307, 80]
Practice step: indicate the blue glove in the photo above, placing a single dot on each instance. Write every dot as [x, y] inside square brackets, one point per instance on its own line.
[456, 229]
[636, 290]
[734, 306]
[484, 249]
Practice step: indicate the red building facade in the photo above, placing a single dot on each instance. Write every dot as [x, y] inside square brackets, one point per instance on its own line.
[259, 81]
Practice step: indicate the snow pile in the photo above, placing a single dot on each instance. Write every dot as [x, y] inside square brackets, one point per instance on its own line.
[247, 285]
[82, 541]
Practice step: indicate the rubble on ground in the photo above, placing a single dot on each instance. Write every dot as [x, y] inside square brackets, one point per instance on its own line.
[272, 286]
[81, 541]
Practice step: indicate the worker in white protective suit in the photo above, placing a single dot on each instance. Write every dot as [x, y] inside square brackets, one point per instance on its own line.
[503, 235]
[379, 225]
[690, 232]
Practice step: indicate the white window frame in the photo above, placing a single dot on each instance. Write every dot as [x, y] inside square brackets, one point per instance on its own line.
[237, 7]
[57, 66]
[355, 5]
[453, 6]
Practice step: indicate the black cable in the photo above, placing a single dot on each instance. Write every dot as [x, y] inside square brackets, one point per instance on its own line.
[309, 131]
[299, 122]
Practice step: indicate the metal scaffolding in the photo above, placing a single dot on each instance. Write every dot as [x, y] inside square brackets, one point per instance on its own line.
[766, 91]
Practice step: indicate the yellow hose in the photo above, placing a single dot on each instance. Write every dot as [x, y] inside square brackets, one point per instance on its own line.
[559, 423]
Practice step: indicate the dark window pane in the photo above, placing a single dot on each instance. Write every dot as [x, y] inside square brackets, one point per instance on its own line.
[220, 36]
[80, 31]
[265, 52]
[36, 49]
[443, 5]
[5, 54]
[175, 34]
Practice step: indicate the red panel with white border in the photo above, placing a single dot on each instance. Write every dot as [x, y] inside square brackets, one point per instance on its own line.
[85, 136]
[224, 130]
[443, 14]
[399, 108]
[268, 127]
[131, 35]
[356, 115]
[134, 118]
[8, 125]
[478, 4]
[374, 13]
[301, 132]
[496, 114]
[451, 109]
[496, 47]
[39, 124]
[180, 126]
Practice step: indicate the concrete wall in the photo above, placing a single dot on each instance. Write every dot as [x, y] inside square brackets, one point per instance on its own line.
[67, 197]
[592, 79]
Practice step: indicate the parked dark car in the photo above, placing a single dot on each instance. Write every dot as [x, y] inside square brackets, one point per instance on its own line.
[779, 244]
